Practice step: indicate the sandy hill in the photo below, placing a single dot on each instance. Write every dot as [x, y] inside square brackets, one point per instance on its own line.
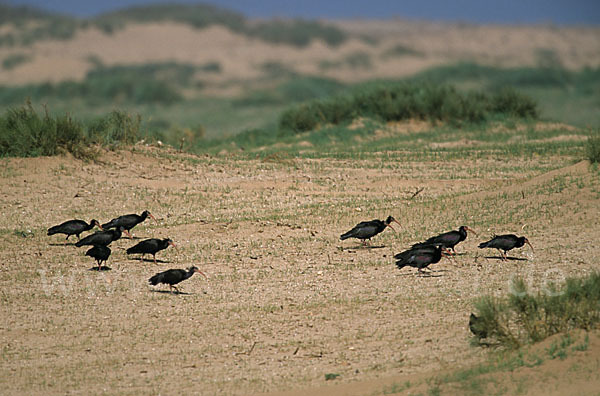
[390, 48]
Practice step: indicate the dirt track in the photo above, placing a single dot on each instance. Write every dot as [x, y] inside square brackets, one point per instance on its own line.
[286, 302]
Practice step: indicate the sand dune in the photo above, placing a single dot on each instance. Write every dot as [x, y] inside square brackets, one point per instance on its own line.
[241, 57]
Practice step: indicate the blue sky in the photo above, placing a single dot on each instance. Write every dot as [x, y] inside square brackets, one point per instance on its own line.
[477, 11]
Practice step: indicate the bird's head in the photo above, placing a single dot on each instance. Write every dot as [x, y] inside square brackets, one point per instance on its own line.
[170, 242]
[389, 220]
[467, 228]
[146, 213]
[195, 269]
[525, 240]
[97, 224]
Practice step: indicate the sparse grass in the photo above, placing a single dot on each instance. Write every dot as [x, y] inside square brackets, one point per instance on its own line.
[528, 318]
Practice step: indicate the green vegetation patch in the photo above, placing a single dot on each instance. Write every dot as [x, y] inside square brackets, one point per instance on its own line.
[593, 146]
[524, 317]
[155, 83]
[12, 61]
[24, 133]
[401, 101]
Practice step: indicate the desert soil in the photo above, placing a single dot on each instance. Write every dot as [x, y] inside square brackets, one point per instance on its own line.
[286, 301]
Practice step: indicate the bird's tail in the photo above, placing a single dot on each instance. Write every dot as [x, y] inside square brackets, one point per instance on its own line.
[156, 279]
[483, 244]
[52, 230]
[79, 243]
[108, 225]
[132, 250]
[401, 264]
[346, 235]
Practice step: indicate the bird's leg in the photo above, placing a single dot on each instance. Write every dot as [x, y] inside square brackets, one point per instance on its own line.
[502, 255]
[175, 287]
[154, 258]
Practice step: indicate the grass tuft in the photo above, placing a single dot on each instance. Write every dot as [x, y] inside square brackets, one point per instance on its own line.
[593, 147]
[24, 133]
[523, 317]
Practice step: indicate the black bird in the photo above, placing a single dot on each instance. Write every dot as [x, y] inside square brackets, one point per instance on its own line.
[476, 326]
[100, 253]
[173, 276]
[420, 257]
[128, 221]
[368, 229]
[423, 249]
[504, 243]
[150, 246]
[448, 239]
[73, 227]
[101, 238]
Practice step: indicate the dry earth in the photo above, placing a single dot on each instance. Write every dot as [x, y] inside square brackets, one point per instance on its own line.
[285, 301]
[398, 48]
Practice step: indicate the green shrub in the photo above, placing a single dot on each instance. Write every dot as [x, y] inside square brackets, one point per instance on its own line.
[24, 133]
[117, 128]
[524, 317]
[12, 61]
[509, 102]
[394, 102]
[593, 146]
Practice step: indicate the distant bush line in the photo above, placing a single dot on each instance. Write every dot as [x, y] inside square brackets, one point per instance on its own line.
[25, 133]
[395, 102]
[525, 317]
[48, 25]
[157, 83]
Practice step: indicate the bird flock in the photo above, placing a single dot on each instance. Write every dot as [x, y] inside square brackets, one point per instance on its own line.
[113, 230]
[420, 255]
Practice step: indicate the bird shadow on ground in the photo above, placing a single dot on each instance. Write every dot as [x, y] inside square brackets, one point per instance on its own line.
[162, 291]
[146, 260]
[62, 244]
[508, 258]
[428, 275]
[423, 274]
[99, 269]
[357, 247]
[134, 238]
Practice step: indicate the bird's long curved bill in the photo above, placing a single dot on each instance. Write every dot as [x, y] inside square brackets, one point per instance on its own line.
[201, 273]
[471, 230]
[173, 244]
[527, 242]
[153, 218]
[395, 221]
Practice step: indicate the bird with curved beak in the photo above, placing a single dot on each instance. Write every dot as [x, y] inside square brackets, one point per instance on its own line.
[504, 243]
[448, 239]
[128, 221]
[368, 229]
[151, 246]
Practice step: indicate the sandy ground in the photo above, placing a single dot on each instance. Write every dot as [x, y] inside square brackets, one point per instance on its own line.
[285, 302]
[241, 58]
